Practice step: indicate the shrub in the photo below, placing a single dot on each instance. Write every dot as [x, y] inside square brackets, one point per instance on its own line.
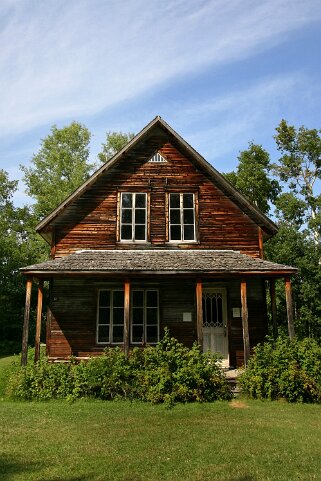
[167, 373]
[284, 369]
[171, 373]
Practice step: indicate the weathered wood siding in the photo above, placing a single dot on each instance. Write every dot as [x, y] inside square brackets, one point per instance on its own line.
[91, 221]
[72, 329]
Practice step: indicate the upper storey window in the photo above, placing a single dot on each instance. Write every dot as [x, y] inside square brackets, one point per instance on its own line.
[182, 217]
[133, 217]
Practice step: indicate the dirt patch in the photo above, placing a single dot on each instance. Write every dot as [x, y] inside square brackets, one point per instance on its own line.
[238, 404]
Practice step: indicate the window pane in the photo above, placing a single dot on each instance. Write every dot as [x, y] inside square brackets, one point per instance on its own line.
[188, 216]
[138, 334]
[188, 200]
[118, 316]
[104, 315]
[127, 200]
[103, 334]
[139, 232]
[138, 315]
[151, 334]
[118, 299]
[175, 216]
[104, 298]
[140, 216]
[188, 232]
[126, 216]
[151, 299]
[140, 200]
[174, 200]
[151, 316]
[138, 298]
[175, 232]
[126, 232]
[118, 334]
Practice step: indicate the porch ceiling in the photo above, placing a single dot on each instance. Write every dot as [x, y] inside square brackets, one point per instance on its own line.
[160, 262]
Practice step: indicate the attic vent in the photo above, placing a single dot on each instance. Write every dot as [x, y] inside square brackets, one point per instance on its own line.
[157, 158]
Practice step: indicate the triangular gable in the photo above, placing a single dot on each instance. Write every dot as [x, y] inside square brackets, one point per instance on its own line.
[218, 179]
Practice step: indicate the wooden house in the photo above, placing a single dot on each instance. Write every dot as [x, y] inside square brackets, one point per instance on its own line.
[155, 238]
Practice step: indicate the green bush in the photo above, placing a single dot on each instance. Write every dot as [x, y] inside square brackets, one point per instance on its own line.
[167, 373]
[284, 369]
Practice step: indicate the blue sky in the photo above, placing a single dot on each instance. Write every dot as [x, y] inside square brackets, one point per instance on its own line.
[220, 73]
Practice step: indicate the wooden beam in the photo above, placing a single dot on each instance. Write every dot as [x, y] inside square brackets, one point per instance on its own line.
[126, 316]
[38, 324]
[25, 331]
[199, 312]
[245, 324]
[273, 308]
[289, 307]
[261, 243]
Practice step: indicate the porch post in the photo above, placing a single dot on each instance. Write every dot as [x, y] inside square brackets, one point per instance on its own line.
[38, 324]
[126, 316]
[273, 308]
[199, 312]
[289, 306]
[245, 325]
[25, 331]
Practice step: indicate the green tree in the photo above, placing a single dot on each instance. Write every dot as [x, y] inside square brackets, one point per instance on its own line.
[17, 248]
[299, 167]
[115, 141]
[252, 177]
[60, 167]
[293, 247]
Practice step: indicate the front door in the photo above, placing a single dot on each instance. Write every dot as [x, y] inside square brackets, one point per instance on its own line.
[215, 334]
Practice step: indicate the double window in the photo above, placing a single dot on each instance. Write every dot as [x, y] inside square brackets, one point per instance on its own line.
[133, 217]
[144, 316]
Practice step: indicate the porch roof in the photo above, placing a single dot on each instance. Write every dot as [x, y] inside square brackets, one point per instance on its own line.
[158, 261]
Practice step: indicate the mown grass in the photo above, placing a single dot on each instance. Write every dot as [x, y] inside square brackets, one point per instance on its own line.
[96, 440]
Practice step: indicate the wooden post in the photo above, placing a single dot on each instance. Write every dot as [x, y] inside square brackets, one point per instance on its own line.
[289, 307]
[199, 312]
[245, 324]
[126, 316]
[261, 243]
[39, 316]
[273, 308]
[25, 331]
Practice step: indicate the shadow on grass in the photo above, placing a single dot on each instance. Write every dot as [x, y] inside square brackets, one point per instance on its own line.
[10, 466]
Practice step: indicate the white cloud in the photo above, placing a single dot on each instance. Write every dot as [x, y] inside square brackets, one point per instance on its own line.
[65, 59]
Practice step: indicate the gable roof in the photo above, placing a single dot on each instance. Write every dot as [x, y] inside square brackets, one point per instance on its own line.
[220, 181]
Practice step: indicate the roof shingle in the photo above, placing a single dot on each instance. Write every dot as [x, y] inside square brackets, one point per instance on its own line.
[160, 261]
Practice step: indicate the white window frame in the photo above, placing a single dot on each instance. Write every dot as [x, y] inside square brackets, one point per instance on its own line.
[133, 223]
[111, 319]
[144, 324]
[181, 209]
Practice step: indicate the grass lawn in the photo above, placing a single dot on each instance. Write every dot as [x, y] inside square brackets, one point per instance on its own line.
[95, 440]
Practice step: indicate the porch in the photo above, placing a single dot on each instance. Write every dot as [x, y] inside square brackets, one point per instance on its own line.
[214, 297]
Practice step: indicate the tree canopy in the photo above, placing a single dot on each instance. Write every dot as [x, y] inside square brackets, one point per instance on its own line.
[115, 141]
[253, 179]
[299, 167]
[58, 168]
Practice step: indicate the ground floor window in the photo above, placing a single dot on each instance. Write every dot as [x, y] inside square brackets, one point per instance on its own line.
[110, 317]
[144, 316]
